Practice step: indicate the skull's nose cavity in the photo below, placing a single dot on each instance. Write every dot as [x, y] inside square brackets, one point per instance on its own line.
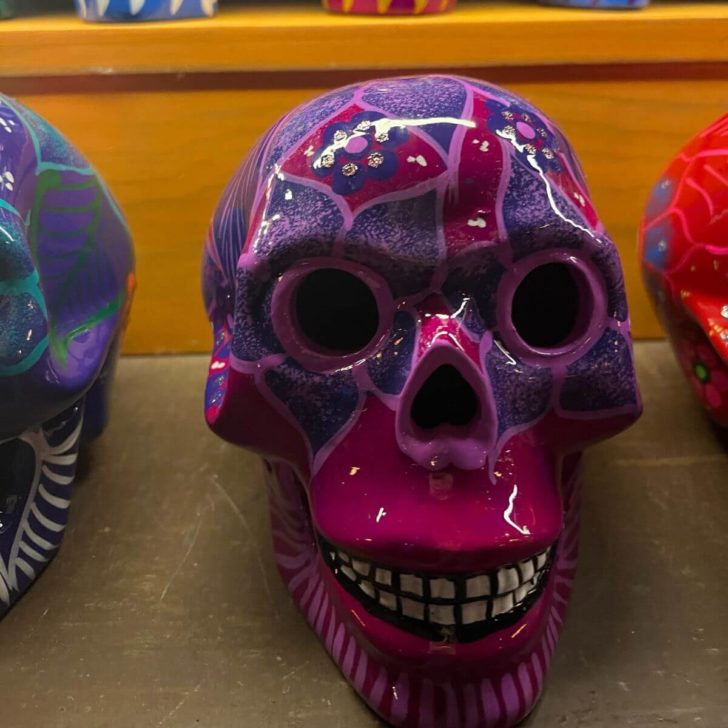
[445, 398]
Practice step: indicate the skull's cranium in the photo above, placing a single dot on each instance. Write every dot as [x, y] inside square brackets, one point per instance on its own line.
[65, 289]
[419, 322]
[684, 253]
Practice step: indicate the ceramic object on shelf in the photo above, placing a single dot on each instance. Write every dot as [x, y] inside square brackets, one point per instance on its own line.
[422, 7]
[599, 4]
[389, 7]
[419, 322]
[66, 281]
[139, 10]
[684, 255]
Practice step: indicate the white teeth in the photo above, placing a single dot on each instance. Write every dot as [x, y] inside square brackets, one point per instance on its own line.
[527, 569]
[387, 600]
[367, 588]
[474, 612]
[507, 580]
[460, 600]
[442, 589]
[501, 605]
[477, 586]
[442, 614]
[522, 592]
[413, 609]
[410, 583]
[361, 567]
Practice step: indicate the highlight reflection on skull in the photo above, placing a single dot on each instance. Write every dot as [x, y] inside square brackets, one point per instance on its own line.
[420, 322]
[684, 253]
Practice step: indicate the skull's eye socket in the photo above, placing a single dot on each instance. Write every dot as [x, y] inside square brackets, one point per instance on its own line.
[548, 306]
[336, 311]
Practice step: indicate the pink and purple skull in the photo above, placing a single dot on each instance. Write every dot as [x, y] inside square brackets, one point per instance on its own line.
[419, 322]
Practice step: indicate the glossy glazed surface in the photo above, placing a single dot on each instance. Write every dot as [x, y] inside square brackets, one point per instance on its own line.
[684, 254]
[136, 10]
[423, 438]
[66, 279]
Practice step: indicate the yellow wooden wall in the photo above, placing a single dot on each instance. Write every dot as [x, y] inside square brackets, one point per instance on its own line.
[167, 141]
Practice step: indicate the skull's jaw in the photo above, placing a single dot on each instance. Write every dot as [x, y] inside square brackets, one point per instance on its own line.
[407, 679]
[37, 471]
[471, 622]
[443, 608]
[448, 570]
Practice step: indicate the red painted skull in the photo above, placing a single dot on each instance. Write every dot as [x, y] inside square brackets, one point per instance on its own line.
[419, 322]
[684, 253]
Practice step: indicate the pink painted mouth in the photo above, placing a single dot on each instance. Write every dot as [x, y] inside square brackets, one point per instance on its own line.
[406, 677]
[438, 571]
[477, 613]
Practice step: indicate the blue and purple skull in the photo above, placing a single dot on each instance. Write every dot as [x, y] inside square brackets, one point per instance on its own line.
[66, 282]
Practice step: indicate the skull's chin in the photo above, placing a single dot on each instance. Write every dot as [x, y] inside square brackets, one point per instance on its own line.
[442, 608]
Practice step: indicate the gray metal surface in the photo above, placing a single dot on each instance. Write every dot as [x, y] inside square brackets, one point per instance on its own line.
[164, 607]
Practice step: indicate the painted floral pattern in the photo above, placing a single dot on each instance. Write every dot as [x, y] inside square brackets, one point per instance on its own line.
[357, 150]
[528, 134]
[706, 372]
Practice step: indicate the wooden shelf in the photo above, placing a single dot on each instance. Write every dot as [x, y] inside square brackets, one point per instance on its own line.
[165, 111]
[277, 37]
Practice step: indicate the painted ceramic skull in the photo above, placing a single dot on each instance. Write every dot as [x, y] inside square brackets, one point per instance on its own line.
[684, 254]
[65, 289]
[420, 322]
[136, 10]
